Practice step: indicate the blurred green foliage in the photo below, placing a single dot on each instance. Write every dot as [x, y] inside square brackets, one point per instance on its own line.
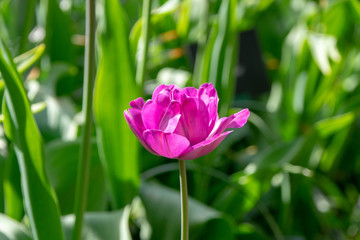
[291, 173]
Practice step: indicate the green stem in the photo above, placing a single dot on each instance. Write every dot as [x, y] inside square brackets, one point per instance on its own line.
[184, 201]
[85, 151]
[144, 41]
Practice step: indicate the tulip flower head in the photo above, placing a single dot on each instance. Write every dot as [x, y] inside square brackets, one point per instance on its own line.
[181, 123]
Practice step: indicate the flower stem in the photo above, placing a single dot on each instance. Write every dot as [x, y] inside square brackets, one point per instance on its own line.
[82, 184]
[184, 201]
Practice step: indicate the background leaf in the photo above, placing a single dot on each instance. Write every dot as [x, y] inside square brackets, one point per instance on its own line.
[162, 208]
[61, 166]
[40, 202]
[115, 88]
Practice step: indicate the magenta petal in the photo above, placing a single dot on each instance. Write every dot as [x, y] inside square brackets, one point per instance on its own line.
[212, 109]
[203, 148]
[166, 144]
[240, 119]
[169, 120]
[154, 110]
[172, 124]
[158, 90]
[137, 103]
[190, 92]
[194, 122]
[137, 118]
[135, 129]
[151, 114]
[236, 120]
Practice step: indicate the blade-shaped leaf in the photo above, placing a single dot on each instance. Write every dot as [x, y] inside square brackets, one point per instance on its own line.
[14, 206]
[115, 88]
[40, 202]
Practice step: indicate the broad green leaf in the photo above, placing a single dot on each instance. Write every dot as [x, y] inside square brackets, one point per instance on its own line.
[2, 200]
[40, 202]
[61, 166]
[162, 206]
[12, 187]
[12, 230]
[57, 25]
[101, 225]
[115, 88]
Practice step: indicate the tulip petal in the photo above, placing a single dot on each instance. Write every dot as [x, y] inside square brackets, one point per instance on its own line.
[135, 128]
[190, 92]
[171, 117]
[240, 119]
[169, 145]
[203, 148]
[137, 119]
[154, 110]
[158, 90]
[236, 120]
[208, 94]
[194, 121]
[137, 103]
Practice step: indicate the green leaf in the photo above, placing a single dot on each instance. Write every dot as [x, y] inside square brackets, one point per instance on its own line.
[25, 60]
[219, 56]
[58, 31]
[162, 206]
[239, 201]
[2, 196]
[115, 88]
[101, 225]
[332, 125]
[40, 202]
[12, 187]
[12, 230]
[61, 166]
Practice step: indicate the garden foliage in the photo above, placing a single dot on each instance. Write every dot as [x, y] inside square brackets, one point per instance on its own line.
[292, 172]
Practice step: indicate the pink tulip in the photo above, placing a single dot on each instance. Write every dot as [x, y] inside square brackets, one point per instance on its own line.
[181, 123]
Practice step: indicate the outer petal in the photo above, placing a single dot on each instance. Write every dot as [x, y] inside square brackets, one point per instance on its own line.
[136, 130]
[169, 145]
[236, 120]
[203, 148]
[240, 119]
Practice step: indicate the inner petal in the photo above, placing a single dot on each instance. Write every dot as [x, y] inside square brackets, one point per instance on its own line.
[194, 121]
